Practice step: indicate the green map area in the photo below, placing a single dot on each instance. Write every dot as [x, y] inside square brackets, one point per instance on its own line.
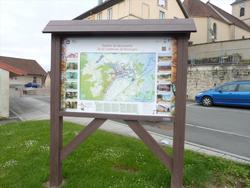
[123, 77]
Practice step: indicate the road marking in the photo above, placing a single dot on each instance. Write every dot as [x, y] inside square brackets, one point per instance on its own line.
[17, 115]
[199, 149]
[217, 130]
[224, 154]
[191, 104]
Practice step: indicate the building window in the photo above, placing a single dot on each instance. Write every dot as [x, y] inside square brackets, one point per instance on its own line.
[214, 31]
[162, 15]
[99, 16]
[109, 14]
[162, 3]
[242, 11]
[34, 79]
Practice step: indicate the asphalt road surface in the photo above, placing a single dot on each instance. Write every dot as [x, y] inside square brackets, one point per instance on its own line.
[225, 129]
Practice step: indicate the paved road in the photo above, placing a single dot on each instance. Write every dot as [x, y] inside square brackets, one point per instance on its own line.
[226, 129]
[30, 107]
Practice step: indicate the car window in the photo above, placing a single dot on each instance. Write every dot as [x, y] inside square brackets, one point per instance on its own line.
[228, 88]
[244, 88]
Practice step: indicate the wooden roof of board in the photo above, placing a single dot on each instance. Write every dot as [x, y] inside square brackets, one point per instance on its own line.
[110, 3]
[196, 8]
[21, 66]
[121, 27]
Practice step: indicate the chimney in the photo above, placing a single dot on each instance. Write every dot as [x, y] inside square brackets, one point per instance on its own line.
[100, 2]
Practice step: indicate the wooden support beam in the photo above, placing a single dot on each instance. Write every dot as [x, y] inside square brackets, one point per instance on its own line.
[83, 135]
[151, 143]
[180, 113]
[56, 122]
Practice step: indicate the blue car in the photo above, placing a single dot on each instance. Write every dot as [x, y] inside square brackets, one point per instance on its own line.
[32, 85]
[231, 94]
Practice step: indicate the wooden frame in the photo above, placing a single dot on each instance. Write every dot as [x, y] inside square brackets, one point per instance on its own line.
[180, 30]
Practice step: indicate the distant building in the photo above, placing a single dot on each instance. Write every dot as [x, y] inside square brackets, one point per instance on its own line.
[22, 71]
[15, 72]
[214, 24]
[241, 10]
[135, 9]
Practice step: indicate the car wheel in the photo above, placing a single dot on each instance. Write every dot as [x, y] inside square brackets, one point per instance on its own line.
[207, 101]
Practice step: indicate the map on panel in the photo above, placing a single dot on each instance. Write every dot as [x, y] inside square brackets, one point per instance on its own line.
[119, 75]
[123, 77]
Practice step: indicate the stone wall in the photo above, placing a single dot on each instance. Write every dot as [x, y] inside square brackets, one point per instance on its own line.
[203, 77]
[212, 64]
[222, 49]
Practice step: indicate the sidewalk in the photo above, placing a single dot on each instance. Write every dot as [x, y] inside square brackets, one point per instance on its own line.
[123, 129]
[12, 118]
[37, 108]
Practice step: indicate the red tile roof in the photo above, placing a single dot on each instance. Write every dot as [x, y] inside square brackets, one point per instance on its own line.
[21, 66]
[12, 69]
[196, 8]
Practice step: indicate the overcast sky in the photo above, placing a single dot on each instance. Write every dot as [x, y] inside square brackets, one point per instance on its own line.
[22, 22]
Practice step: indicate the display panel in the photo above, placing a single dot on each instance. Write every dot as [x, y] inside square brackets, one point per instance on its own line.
[134, 76]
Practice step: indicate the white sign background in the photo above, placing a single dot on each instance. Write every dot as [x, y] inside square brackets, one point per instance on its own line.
[109, 48]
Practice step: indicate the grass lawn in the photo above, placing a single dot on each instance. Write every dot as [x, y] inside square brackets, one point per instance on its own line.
[104, 160]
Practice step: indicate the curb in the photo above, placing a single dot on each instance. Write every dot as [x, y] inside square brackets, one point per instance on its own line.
[210, 151]
[168, 140]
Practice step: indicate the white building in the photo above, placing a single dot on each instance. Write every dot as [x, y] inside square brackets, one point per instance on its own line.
[16, 72]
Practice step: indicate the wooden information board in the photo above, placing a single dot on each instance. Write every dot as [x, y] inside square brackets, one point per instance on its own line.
[129, 70]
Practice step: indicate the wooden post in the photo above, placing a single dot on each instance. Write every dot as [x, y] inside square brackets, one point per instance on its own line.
[56, 120]
[180, 113]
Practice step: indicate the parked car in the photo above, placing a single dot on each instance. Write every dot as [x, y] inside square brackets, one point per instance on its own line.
[230, 93]
[32, 85]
